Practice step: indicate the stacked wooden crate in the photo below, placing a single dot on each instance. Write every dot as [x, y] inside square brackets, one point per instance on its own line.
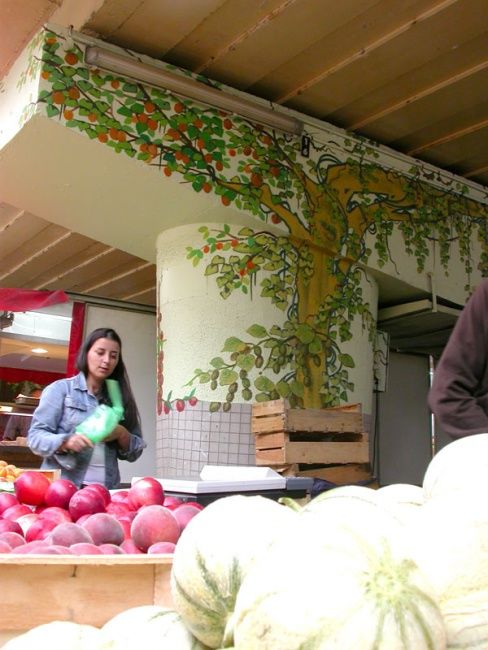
[325, 443]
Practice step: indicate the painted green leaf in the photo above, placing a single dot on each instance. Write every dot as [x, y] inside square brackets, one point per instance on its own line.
[347, 360]
[211, 269]
[233, 344]
[257, 331]
[315, 347]
[245, 361]
[283, 388]
[262, 397]
[218, 362]
[296, 388]
[214, 407]
[305, 333]
[228, 377]
[264, 384]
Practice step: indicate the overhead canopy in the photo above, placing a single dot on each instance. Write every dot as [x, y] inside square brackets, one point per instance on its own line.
[26, 299]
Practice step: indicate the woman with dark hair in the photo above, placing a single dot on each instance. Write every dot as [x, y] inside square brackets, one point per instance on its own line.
[66, 403]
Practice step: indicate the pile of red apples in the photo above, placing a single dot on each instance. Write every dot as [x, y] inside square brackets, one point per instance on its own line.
[57, 518]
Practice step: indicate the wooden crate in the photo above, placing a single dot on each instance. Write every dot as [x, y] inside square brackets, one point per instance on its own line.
[38, 589]
[285, 436]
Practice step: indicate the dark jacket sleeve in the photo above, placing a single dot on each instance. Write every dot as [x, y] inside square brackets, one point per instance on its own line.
[459, 394]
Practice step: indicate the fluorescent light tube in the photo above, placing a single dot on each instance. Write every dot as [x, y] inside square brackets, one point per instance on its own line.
[154, 76]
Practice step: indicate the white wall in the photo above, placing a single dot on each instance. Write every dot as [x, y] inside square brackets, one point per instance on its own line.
[138, 333]
[404, 430]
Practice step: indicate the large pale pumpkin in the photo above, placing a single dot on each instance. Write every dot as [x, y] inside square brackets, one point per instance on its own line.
[449, 542]
[57, 635]
[460, 466]
[214, 554]
[339, 582]
[149, 626]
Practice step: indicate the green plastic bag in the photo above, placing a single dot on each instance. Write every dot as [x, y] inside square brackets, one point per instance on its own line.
[99, 424]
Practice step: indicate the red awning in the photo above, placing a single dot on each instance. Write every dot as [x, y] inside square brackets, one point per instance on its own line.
[26, 299]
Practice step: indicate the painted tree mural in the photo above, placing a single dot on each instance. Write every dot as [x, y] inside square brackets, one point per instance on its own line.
[329, 205]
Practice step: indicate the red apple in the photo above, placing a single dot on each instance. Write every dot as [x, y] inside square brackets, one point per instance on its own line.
[161, 547]
[56, 549]
[154, 524]
[37, 546]
[85, 502]
[55, 514]
[26, 521]
[85, 548]
[8, 525]
[104, 529]
[172, 502]
[195, 504]
[102, 491]
[118, 508]
[111, 549]
[125, 523]
[40, 529]
[4, 547]
[184, 514]
[67, 534]
[128, 546]
[146, 492]
[30, 487]
[14, 512]
[7, 499]
[120, 496]
[59, 493]
[12, 539]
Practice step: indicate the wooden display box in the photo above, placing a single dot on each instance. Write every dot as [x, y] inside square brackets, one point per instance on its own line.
[38, 589]
[285, 436]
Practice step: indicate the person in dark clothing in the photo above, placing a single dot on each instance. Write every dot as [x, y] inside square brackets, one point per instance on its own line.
[459, 393]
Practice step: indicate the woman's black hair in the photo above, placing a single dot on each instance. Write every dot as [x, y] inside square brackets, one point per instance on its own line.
[131, 413]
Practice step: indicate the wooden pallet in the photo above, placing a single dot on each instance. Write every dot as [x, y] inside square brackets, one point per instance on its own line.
[285, 436]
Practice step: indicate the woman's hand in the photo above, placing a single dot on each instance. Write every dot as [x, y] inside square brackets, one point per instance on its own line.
[77, 442]
[121, 435]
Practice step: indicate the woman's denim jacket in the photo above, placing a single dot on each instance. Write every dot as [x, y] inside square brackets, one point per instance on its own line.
[63, 405]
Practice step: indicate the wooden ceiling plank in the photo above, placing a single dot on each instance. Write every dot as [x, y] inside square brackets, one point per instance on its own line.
[88, 256]
[8, 216]
[448, 110]
[37, 253]
[462, 154]
[131, 296]
[223, 25]
[129, 284]
[449, 137]
[150, 26]
[364, 51]
[103, 267]
[476, 172]
[368, 119]
[245, 35]
[357, 98]
[119, 276]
